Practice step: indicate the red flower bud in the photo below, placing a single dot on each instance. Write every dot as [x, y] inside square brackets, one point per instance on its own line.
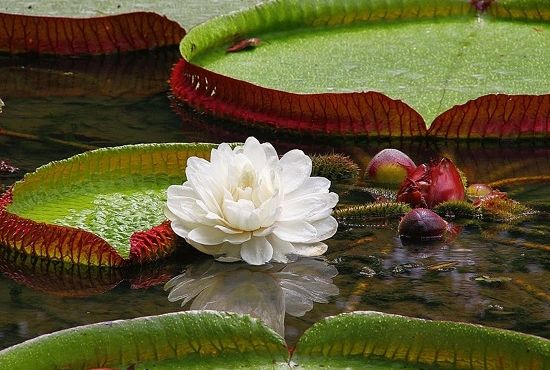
[432, 183]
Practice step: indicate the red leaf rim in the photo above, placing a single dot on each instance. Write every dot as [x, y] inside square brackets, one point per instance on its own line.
[77, 246]
[74, 36]
[496, 116]
[370, 113]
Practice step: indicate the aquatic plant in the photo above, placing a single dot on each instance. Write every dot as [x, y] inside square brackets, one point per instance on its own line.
[390, 166]
[208, 339]
[248, 204]
[422, 224]
[432, 183]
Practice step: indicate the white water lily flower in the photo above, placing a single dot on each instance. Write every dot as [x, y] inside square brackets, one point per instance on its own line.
[248, 204]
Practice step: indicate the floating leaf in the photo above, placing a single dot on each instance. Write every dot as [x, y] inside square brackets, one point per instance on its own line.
[103, 207]
[492, 281]
[76, 36]
[360, 339]
[194, 339]
[384, 46]
[207, 339]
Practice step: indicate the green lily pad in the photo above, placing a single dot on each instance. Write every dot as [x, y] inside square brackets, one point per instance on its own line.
[196, 339]
[430, 55]
[216, 340]
[384, 340]
[103, 207]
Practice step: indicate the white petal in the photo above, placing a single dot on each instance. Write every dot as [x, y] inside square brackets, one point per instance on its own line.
[210, 236]
[270, 152]
[281, 249]
[326, 228]
[255, 153]
[308, 208]
[295, 231]
[296, 168]
[240, 215]
[310, 250]
[263, 231]
[256, 251]
[181, 229]
[312, 185]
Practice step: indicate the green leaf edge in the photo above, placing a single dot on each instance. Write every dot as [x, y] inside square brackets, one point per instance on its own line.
[194, 337]
[207, 339]
[374, 336]
[276, 14]
[221, 30]
[167, 159]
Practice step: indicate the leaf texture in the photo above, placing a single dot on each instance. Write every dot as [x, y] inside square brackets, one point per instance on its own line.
[75, 36]
[192, 338]
[516, 115]
[368, 337]
[102, 208]
[496, 116]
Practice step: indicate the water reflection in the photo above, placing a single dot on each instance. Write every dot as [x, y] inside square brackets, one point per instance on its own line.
[76, 281]
[265, 292]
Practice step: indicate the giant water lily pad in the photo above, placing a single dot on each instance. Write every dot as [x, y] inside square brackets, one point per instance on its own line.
[474, 71]
[96, 35]
[209, 340]
[103, 207]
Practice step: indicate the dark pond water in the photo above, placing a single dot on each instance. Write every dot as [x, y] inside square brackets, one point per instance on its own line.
[56, 108]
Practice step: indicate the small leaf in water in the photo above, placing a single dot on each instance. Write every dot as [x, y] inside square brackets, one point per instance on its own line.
[492, 281]
[442, 266]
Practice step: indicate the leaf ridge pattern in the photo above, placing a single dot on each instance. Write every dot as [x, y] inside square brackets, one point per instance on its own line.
[74, 36]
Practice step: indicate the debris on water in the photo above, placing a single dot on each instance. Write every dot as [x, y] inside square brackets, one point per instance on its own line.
[367, 271]
[405, 267]
[6, 167]
[492, 281]
[245, 44]
[442, 266]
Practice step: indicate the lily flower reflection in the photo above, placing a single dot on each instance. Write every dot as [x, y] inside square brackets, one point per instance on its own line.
[265, 292]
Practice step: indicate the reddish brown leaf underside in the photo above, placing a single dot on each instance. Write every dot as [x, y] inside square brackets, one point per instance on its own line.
[79, 246]
[498, 116]
[150, 245]
[54, 242]
[75, 36]
[370, 113]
